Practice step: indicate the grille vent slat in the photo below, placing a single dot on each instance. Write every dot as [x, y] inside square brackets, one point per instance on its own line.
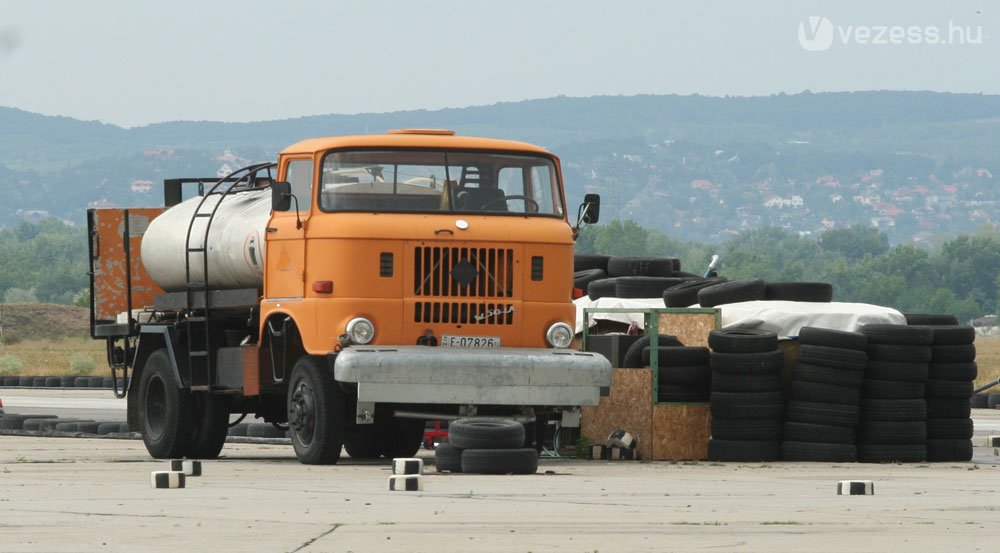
[463, 313]
[491, 271]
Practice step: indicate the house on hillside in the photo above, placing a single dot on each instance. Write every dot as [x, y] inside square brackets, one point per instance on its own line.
[141, 186]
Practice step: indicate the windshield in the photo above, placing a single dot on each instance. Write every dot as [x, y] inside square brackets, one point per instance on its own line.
[426, 181]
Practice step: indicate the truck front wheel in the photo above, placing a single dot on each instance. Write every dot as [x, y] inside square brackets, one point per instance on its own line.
[316, 412]
[165, 412]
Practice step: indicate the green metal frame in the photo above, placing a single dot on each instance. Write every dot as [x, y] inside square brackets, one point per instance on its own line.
[651, 323]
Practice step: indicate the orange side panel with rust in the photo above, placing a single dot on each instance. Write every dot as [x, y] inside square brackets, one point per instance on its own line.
[110, 272]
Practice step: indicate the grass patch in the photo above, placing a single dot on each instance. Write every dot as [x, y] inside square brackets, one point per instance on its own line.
[988, 359]
[58, 357]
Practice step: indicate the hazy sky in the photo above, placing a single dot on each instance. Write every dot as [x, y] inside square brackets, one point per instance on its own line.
[136, 62]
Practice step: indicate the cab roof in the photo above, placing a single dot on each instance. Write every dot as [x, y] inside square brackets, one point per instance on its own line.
[411, 138]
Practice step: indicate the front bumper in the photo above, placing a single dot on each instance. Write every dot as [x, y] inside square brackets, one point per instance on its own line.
[499, 376]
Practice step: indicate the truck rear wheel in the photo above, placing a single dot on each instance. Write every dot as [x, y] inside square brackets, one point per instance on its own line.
[316, 412]
[362, 441]
[210, 425]
[400, 437]
[165, 411]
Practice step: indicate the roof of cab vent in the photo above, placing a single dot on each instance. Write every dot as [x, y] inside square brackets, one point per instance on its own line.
[438, 132]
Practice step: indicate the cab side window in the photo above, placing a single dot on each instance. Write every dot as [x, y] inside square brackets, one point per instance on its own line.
[300, 174]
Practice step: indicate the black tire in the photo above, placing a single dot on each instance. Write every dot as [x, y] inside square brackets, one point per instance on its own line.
[892, 389]
[818, 292]
[686, 293]
[602, 288]
[833, 357]
[690, 375]
[81, 382]
[500, 461]
[743, 451]
[725, 382]
[818, 433]
[105, 428]
[892, 453]
[677, 356]
[641, 266]
[52, 382]
[824, 393]
[892, 432]
[38, 382]
[755, 405]
[948, 408]
[898, 334]
[833, 414]
[742, 340]
[486, 433]
[903, 372]
[210, 425]
[818, 452]
[953, 335]
[643, 287]
[164, 410]
[11, 381]
[766, 430]
[815, 336]
[731, 292]
[447, 458]
[747, 364]
[67, 381]
[633, 355]
[979, 401]
[583, 278]
[399, 437]
[960, 353]
[16, 422]
[949, 429]
[257, 430]
[88, 427]
[953, 450]
[361, 441]
[316, 412]
[894, 409]
[683, 394]
[949, 388]
[66, 426]
[585, 261]
[923, 319]
[992, 400]
[899, 353]
[806, 372]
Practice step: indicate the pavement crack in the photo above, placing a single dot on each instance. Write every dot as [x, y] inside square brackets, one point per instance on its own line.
[310, 542]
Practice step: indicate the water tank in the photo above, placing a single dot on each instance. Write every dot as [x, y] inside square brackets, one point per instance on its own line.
[235, 245]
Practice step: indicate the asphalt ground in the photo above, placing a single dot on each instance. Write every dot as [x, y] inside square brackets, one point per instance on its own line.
[74, 494]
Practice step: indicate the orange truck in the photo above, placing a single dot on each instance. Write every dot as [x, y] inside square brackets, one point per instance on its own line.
[354, 289]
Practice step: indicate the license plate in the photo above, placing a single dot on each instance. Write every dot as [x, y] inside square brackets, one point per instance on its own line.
[452, 341]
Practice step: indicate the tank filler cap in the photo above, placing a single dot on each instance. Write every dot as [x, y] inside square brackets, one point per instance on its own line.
[437, 132]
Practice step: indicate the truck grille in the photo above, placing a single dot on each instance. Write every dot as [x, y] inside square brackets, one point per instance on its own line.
[463, 272]
[464, 313]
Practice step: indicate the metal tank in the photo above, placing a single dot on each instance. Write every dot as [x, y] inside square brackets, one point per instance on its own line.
[235, 242]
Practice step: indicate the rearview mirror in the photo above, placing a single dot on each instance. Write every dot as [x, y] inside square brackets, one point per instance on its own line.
[281, 196]
[590, 211]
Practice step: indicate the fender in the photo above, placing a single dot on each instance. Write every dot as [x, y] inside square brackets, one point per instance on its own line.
[152, 338]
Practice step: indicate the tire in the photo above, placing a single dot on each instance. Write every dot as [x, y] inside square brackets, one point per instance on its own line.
[949, 429]
[686, 293]
[818, 433]
[892, 453]
[953, 335]
[948, 408]
[677, 356]
[743, 451]
[731, 292]
[316, 412]
[683, 394]
[11, 381]
[106, 428]
[67, 381]
[643, 287]
[819, 374]
[583, 278]
[500, 461]
[399, 437]
[747, 364]
[641, 266]
[949, 388]
[690, 375]
[892, 432]
[949, 450]
[818, 452]
[164, 409]
[815, 336]
[898, 334]
[824, 393]
[979, 401]
[833, 357]
[817, 292]
[81, 382]
[585, 261]
[67, 426]
[361, 441]
[892, 389]
[756, 405]
[902, 372]
[38, 382]
[52, 382]
[210, 425]
[88, 427]
[740, 340]
[633, 355]
[97, 382]
[602, 288]
[833, 414]
[724, 382]
[922, 319]
[898, 353]
[901, 410]
[765, 430]
[16, 422]
[486, 433]
[447, 458]
[961, 353]
[992, 400]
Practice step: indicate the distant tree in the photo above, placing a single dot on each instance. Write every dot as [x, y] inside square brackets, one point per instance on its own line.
[855, 243]
[20, 295]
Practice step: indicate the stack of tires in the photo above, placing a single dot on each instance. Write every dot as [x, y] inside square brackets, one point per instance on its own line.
[893, 409]
[683, 373]
[588, 268]
[486, 445]
[825, 396]
[746, 401]
[685, 294]
[627, 277]
[949, 389]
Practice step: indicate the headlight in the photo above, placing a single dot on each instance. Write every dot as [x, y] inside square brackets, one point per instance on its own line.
[360, 331]
[559, 335]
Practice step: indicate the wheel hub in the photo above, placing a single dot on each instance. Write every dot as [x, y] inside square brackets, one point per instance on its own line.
[302, 412]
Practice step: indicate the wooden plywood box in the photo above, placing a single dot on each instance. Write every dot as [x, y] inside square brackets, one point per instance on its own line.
[628, 406]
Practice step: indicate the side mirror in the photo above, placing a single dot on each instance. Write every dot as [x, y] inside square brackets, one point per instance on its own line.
[281, 196]
[590, 211]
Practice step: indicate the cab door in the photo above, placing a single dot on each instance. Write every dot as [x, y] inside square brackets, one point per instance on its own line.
[285, 237]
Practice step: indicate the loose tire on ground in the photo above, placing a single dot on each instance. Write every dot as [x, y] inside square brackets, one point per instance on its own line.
[447, 458]
[486, 433]
[500, 461]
